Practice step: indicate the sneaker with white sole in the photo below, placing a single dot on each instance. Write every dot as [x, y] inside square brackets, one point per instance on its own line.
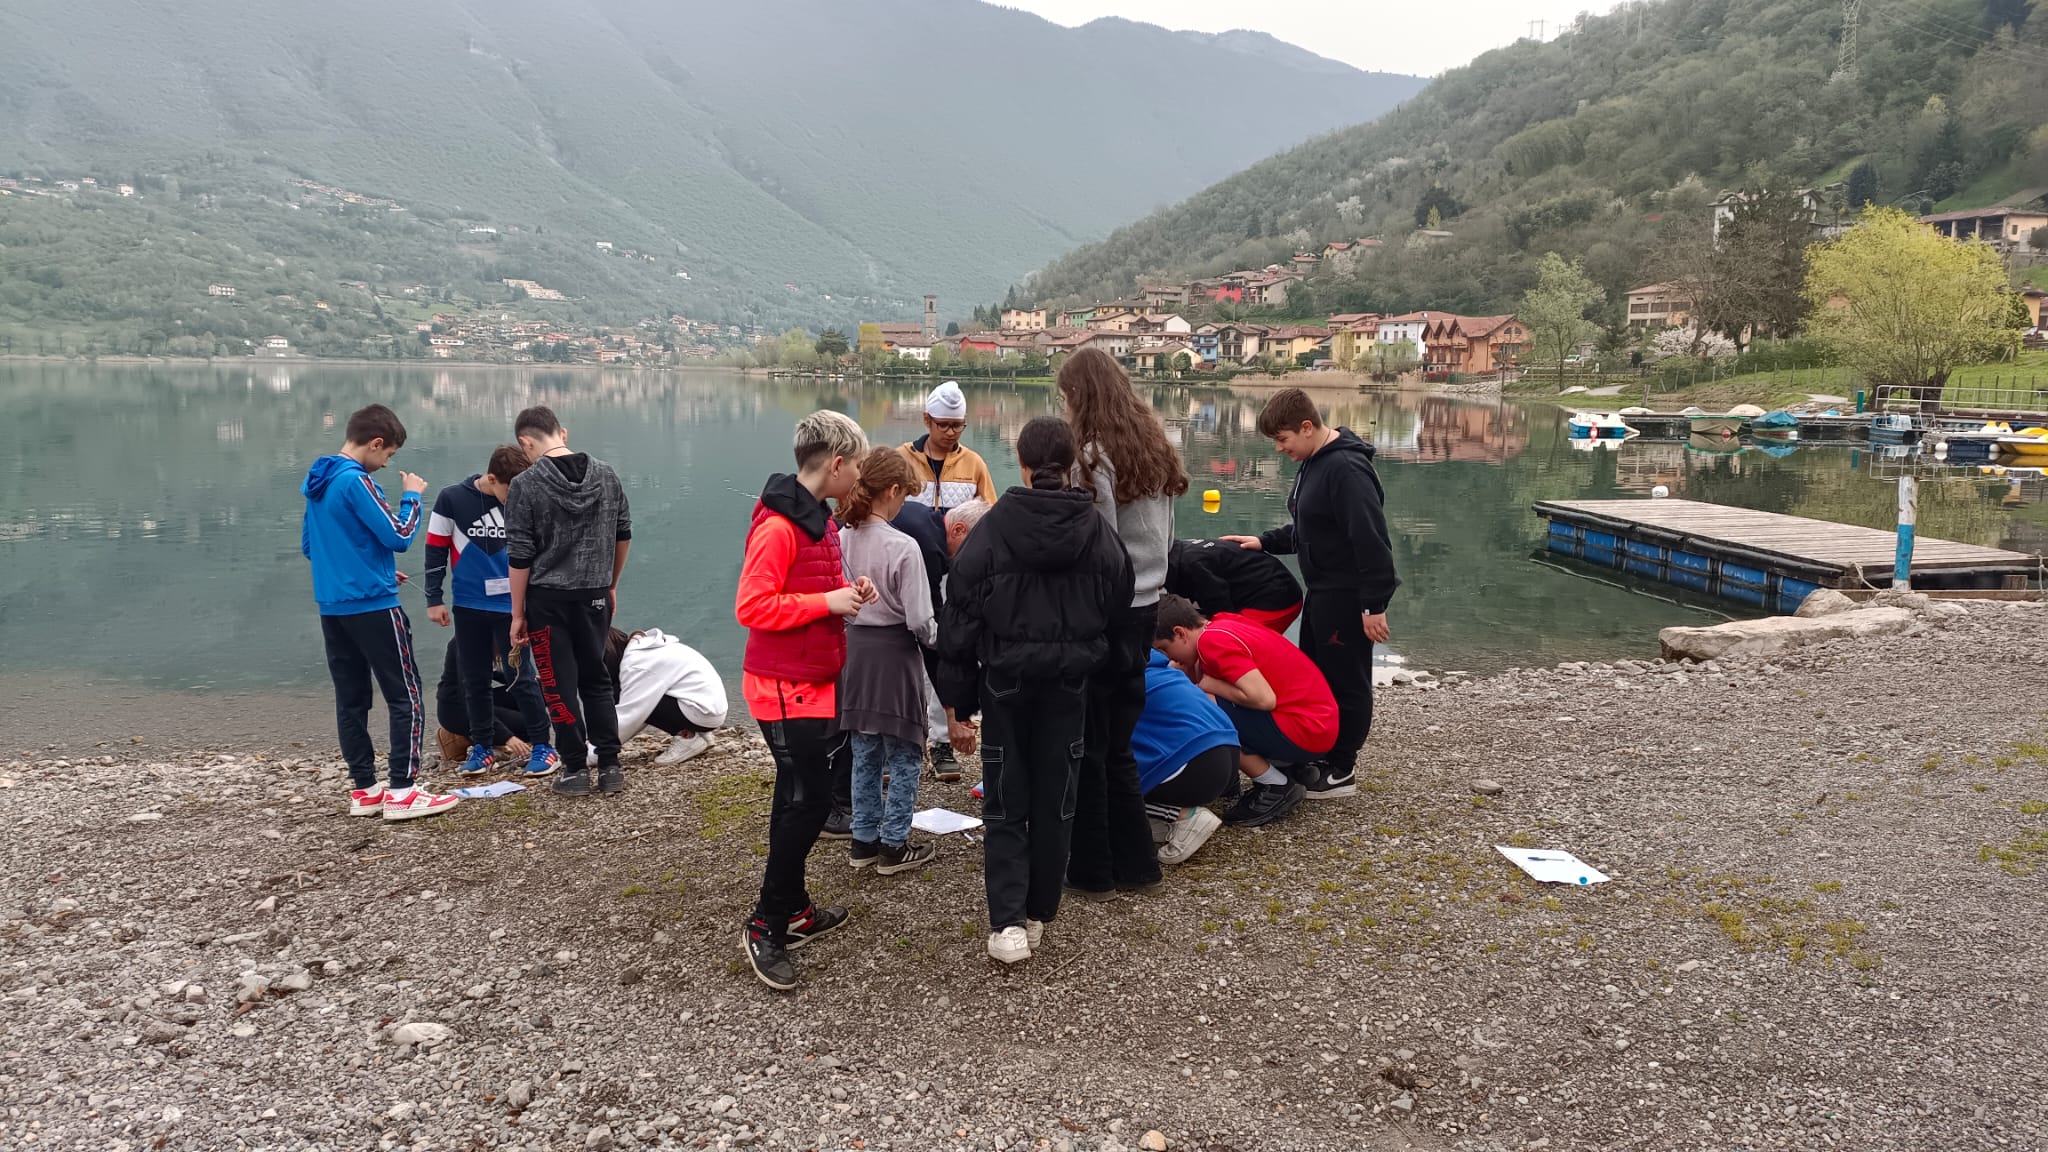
[1034, 931]
[1330, 784]
[480, 760]
[685, 747]
[1011, 945]
[1188, 834]
[416, 803]
[543, 761]
[366, 801]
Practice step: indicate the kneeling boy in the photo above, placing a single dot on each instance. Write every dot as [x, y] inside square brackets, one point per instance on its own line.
[1280, 705]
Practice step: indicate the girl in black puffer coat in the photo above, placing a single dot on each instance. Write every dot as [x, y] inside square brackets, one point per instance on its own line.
[1027, 602]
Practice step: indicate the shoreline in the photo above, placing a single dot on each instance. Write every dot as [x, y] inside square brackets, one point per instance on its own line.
[1816, 867]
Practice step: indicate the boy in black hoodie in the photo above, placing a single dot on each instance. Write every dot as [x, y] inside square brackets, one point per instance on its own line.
[1029, 598]
[1339, 533]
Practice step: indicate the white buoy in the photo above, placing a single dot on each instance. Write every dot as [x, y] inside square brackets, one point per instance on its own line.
[1659, 492]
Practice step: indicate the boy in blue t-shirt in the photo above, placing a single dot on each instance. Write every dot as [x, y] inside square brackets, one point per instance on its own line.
[467, 534]
[1187, 757]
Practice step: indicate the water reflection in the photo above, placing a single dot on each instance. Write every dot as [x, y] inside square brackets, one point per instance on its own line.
[149, 517]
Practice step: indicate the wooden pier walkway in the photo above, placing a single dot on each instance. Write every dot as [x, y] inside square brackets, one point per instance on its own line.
[1764, 558]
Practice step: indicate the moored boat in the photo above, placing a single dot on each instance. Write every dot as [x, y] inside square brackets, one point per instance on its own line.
[1597, 426]
[1780, 425]
[1892, 428]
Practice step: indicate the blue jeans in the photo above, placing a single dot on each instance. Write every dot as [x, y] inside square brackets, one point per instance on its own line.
[874, 818]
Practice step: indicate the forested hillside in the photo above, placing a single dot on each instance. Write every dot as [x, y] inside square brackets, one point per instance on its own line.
[800, 159]
[1608, 140]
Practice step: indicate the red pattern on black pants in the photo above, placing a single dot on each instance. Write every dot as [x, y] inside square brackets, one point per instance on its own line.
[544, 663]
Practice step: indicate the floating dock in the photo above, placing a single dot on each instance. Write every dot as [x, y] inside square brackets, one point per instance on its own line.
[1764, 558]
[1674, 427]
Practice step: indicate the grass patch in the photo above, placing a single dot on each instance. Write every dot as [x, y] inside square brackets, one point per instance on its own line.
[735, 804]
[1828, 886]
[2018, 858]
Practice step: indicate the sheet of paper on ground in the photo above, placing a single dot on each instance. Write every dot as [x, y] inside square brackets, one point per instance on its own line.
[940, 821]
[489, 791]
[1550, 866]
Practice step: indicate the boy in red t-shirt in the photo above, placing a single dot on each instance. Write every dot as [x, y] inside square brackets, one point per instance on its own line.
[794, 601]
[1280, 704]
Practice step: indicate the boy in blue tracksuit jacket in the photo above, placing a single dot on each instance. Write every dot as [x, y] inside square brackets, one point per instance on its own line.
[466, 533]
[353, 535]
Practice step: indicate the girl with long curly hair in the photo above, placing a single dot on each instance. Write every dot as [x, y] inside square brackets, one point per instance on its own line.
[1134, 472]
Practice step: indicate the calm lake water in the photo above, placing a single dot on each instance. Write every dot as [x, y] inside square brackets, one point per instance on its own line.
[149, 517]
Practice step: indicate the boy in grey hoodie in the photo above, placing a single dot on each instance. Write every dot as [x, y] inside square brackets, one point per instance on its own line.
[567, 531]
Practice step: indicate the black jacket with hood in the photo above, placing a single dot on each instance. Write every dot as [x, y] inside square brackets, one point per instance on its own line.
[1223, 577]
[1339, 531]
[1030, 596]
[563, 521]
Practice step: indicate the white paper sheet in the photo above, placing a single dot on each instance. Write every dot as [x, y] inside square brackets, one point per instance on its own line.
[940, 821]
[1552, 866]
[490, 791]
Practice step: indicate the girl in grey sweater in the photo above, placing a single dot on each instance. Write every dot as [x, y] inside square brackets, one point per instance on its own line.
[881, 692]
[1135, 475]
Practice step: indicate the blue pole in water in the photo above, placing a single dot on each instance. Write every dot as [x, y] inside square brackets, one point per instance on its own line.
[1909, 511]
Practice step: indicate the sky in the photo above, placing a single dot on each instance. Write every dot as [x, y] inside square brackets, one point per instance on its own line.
[1376, 35]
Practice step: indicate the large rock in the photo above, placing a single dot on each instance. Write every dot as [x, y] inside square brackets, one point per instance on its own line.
[1778, 634]
[1824, 602]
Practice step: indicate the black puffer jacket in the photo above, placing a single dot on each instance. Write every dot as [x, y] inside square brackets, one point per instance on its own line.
[1029, 596]
[1223, 577]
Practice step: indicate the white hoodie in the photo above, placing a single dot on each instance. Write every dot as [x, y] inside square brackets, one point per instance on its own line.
[657, 665]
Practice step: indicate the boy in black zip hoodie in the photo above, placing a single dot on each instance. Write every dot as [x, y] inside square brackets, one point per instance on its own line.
[1339, 533]
[567, 532]
[1029, 601]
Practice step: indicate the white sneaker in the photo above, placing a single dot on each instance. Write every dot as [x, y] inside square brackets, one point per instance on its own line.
[366, 801]
[1190, 832]
[417, 804]
[1034, 931]
[684, 747]
[1010, 945]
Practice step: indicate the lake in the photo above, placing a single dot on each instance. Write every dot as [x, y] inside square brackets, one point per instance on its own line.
[149, 516]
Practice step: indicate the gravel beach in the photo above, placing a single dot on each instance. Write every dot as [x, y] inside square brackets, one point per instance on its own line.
[1824, 929]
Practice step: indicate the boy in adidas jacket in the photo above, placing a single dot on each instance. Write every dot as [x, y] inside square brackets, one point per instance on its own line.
[467, 534]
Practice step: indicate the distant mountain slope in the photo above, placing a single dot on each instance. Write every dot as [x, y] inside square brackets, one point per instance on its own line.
[1594, 142]
[781, 151]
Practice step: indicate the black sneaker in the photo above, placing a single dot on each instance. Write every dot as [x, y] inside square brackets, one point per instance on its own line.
[770, 961]
[862, 853]
[611, 779]
[1095, 894]
[1143, 887]
[945, 767]
[812, 923]
[903, 857]
[574, 784]
[1264, 803]
[838, 826]
[1330, 785]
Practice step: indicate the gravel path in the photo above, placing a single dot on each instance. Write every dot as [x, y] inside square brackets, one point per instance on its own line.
[1825, 930]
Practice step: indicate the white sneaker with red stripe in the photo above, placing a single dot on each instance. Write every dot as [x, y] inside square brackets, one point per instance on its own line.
[415, 803]
[366, 801]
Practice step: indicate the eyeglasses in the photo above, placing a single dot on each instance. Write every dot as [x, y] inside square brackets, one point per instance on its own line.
[950, 425]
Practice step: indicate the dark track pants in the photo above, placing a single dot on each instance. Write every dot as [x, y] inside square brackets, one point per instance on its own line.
[568, 650]
[360, 648]
[1333, 636]
[481, 638]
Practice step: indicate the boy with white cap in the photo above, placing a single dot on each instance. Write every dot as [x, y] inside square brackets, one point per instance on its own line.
[950, 473]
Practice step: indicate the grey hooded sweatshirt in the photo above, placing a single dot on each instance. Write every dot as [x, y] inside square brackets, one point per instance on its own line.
[564, 519]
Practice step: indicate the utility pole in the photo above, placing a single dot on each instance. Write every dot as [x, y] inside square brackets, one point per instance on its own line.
[1536, 28]
[1845, 58]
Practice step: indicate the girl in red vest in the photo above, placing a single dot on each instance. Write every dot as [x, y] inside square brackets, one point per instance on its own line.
[794, 601]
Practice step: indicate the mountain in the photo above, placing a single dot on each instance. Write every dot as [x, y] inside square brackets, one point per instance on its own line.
[1603, 141]
[778, 151]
